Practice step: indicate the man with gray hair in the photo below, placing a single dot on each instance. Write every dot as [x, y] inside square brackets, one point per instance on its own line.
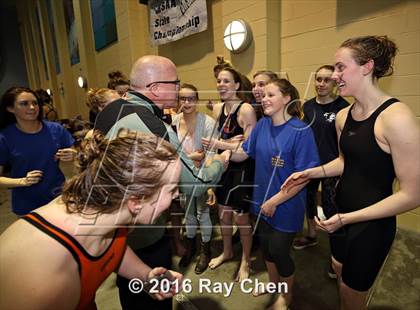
[154, 86]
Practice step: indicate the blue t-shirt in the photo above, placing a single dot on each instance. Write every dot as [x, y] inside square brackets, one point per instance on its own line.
[278, 152]
[25, 152]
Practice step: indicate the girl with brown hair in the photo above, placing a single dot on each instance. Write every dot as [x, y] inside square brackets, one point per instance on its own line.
[378, 142]
[33, 147]
[235, 120]
[82, 234]
[280, 144]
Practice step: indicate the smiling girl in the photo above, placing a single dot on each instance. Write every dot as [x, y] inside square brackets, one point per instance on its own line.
[280, 144]
[379, 141]
[191, 126]
[32, 147]
[235, 120]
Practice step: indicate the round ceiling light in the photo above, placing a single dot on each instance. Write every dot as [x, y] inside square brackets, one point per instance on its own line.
[237, 36]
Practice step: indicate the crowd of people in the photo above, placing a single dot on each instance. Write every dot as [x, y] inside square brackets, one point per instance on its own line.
[261, 155]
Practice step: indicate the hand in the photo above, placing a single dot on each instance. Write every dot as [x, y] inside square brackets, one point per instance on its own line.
[67, 154]
[334, 223]
[224, 157]
[209, 143]
[211, 197]
[268, 209]
[197, 156]
[296, 179]
[32, 177]
[171, 276]
[237, 138]
[227, 154]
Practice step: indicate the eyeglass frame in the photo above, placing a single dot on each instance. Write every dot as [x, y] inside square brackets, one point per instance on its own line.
[175, 82]
[189, 99]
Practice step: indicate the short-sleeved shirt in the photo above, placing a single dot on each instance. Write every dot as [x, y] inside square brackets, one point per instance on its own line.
[321, 118]
[278, 152]
[25, 152]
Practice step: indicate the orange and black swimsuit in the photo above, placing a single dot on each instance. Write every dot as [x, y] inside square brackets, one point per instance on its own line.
[93, 270]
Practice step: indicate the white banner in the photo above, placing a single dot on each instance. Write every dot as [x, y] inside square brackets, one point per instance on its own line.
[171, 20]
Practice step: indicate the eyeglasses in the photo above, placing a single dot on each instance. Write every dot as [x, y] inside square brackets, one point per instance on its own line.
[176, 82]
[189, 99]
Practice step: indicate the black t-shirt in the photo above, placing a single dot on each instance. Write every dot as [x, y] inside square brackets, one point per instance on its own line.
[321, 118]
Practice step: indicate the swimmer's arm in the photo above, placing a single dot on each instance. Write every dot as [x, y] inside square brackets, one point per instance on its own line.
[402, 134]
[248, 119]
[222, 144]
[133, 267]
[248, 122]
[239, 155]
[332, 169]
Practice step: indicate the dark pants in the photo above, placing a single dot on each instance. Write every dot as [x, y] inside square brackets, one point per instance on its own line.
[275, 246]
[158, 254]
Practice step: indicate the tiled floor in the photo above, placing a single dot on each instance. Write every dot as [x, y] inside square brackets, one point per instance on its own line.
[398, 286]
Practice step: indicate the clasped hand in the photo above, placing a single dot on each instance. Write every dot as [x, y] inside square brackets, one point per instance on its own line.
[172, 276]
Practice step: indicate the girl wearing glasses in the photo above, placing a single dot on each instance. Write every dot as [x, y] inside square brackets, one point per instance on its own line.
[32, 147]
[191, 127]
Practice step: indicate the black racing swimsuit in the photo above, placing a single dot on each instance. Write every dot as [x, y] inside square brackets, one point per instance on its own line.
[367, 178]
[234, 187]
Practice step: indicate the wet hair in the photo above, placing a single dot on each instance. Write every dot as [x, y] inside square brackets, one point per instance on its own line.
[326, 67]
[8, 100]
[130, 166]
[244, 92]
[271, 75]
[380, 49]
[287, 89]
[117, 78]
[192, 87]
[221, 65]
[97, 96]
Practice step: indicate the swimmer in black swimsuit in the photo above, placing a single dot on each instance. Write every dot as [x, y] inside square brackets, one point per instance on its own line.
[379, 140]
[236, 119]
